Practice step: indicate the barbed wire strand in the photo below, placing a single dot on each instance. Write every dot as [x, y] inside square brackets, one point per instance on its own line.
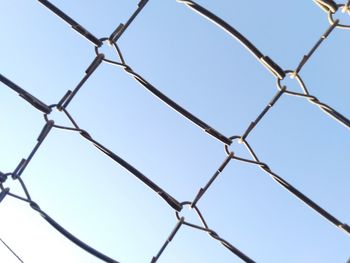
[328, 6]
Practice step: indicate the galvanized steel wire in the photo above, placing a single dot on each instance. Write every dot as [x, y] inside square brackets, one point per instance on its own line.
[329, 6]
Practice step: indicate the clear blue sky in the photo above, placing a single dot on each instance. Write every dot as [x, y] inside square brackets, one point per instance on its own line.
[210, 74]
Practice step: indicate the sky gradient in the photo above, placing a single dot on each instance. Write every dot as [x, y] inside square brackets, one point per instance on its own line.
[210, 74]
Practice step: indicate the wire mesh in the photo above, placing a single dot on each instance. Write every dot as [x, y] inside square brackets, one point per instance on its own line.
[250, 156]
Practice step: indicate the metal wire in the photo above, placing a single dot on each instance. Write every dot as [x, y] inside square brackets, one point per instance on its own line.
[328, 6]
[156, 92]
[11, 250]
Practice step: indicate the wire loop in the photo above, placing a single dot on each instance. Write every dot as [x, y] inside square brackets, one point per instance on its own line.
[296, 76]
[332, 21]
